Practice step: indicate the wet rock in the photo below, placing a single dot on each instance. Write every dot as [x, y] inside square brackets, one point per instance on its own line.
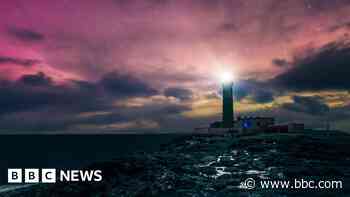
[215, 166]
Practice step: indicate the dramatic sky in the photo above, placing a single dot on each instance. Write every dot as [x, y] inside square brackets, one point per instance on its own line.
[88, 66]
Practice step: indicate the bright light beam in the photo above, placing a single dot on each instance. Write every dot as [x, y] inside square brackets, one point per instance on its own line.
[226, 77]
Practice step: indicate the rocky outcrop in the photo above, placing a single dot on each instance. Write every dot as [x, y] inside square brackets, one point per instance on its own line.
[216, 166]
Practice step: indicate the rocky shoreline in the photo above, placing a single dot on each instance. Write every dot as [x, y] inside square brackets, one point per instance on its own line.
[215, 165]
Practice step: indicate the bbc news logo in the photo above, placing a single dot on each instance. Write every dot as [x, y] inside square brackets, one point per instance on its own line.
[34, 175]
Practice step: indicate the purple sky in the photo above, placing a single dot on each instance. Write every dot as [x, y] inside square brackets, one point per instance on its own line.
[133, 65]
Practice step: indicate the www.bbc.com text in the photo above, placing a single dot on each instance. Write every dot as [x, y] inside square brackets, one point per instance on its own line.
[250, 183]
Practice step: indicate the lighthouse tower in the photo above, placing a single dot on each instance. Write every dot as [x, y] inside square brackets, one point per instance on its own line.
[227, 107]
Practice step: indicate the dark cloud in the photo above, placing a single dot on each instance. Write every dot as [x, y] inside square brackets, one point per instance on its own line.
[258, 91]
[344, 25]
[34, 92]
[35, 103]
[37, 91]
[242, 89]
[326, 68]
[173, 109]
[307, 104]
[280, 62]
[263, 96]
[178, 92]
[39, 79]
[26, 35]
[18, 61]
[126, 85]
[14, 98]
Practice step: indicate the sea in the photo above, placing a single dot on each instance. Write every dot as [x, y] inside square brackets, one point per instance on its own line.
[72, 151]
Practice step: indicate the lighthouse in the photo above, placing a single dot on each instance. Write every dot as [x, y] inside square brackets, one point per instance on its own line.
[227, 104]
[227, 122]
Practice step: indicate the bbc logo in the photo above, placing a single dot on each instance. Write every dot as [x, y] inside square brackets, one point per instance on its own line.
[31, 175]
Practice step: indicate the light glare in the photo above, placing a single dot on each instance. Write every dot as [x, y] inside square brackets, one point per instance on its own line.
[226, 77]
